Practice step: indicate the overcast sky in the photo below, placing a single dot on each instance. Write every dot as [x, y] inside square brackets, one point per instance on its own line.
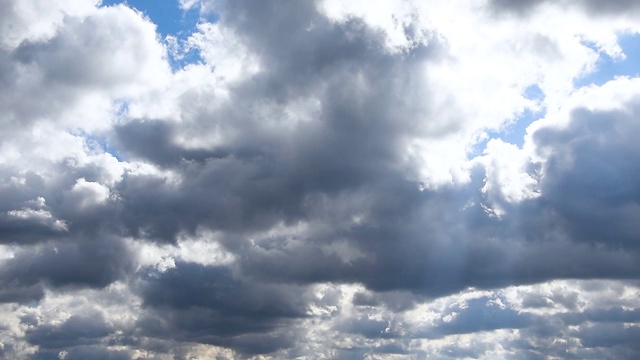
[390, 179]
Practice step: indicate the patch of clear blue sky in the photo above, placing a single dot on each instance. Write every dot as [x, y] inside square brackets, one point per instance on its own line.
[514, 132]
[607, 68]
[171, 20]
[166, 14]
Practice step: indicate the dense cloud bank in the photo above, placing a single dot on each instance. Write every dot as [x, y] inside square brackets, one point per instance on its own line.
[327, 180]
[593, 7]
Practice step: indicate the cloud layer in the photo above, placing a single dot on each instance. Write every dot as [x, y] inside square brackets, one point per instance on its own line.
[327, 180]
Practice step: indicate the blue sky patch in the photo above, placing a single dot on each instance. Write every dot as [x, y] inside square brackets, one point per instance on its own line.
[166, 14]
[171, 20]
[608, 68]
[515, 131]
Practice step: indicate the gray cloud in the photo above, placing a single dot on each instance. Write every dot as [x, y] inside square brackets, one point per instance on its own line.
[303, 199]
[83, 335]
[595, 155]
[349, 153]
[83, 56]
[151, 140]
[593, 7]
[480, 315]
[261, 177]
[85, 352]
[79, 329]
[206, 304]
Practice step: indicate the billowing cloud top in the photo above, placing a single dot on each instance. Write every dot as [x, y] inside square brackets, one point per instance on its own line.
[320, 180]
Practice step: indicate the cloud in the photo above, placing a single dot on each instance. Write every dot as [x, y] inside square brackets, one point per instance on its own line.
[481, 315]
[79, 329]
[79, 68]
[37, 20]
[596, 8]
[326, 180]
[192, 302]
[605, 172]
[63, 264]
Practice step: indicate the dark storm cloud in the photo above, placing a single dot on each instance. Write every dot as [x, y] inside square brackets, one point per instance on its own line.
[603, 315]
[520, 6]
[38, 209]
[206, 304]
[344, 162]
[20, 221]
[79, 329]
[393, 300]
[593, 7]
[611, 336]
[303, 49]
[58, 243]
[218, 290]
[65, 264]
[151, 140]
[97, 352]
[590, 179]
[81, 336]
[20, 291]
[425, 255]
[15, 229]
[271, 176]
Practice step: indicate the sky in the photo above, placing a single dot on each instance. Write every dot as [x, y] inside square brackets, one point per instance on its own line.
[321, 179]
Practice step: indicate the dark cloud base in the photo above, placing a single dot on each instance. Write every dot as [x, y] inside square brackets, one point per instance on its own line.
[593, 7]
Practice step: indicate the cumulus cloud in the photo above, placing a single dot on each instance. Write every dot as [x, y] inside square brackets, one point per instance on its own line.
[326, 180]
